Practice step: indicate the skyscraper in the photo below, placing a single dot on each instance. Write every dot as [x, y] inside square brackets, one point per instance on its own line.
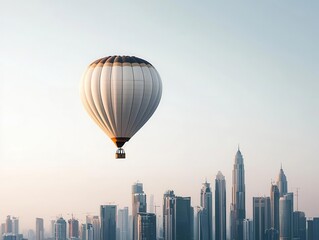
[15, 225]
[316, 228]
[122, 224]
[310, 230]
[282, 183]
[169, 215]
[151, 204]
[220, 207]
[286, 216]
[177, 217]
[299, 226]
[248, 233]
[73, 228]
[60, 229]
[206, 203]
[146, 226]
[261, 217]
[8, 225]
[108, 222]
[52, 224]
[89, 232]
[238, 206]
[96, 227]
[3, 228]
[274, 206]
[83, 231]
[138, 205]
[39, 229]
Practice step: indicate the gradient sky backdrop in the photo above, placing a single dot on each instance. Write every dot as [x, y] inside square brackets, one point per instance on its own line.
[233, 72]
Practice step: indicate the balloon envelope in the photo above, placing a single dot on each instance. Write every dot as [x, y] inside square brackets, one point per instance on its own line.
[120, 93]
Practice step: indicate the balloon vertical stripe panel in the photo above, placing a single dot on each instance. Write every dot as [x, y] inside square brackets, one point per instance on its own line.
[128, 97]
[105, 88]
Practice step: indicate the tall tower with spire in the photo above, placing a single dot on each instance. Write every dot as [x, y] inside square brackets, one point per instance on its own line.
[238, 206]
[282, 182]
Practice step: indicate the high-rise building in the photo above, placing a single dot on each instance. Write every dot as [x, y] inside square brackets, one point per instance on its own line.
[151, 207]
[122, 224]
[206, 221]
[316, 228]
[274, 207]
[238, 206]
[39, 229]
[177, 217]
[286, 209]
[89, 231]
[146, 226]
[8, 225]
[248, 232]
[96, 225]
[169, 215]
[52, 224]
[15, 225]
[73, 228]
[3, 228]
[220, 207]
[272, 234]
[31, 235]
[83, 231]
[282, 183]
[261, 217]
[310, 229]
[9, 236]
[60, 229]
[138, 205]
[108, 222]
[299, 226]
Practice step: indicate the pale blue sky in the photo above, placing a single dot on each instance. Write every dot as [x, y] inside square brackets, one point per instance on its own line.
[233, 72]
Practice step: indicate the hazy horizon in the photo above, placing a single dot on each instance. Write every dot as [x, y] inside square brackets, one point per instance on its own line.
[233, 73]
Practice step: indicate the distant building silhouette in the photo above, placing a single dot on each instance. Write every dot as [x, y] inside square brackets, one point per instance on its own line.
[83, 231]
[89, 231]
[146, 226]
[272, 234]
[238, 206]
[177, 217]
[15, 226]
[261, 217]
[123, 224]
[206, 214]
[299, 226]
[73, 228]
[286, 216]
[39, 229]
[8, 225]
[139, 205]
[108, 222]
[60, 229]
[313, 229]
[248, 229]
[9, 236]
[220, 207]
[274, 209]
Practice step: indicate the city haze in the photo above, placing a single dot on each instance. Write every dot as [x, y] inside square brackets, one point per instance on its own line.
[233, 73]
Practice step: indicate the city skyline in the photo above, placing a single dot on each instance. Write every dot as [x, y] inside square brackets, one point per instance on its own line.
[233, 73]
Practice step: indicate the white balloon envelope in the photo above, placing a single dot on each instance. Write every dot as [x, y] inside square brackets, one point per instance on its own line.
[120, 93]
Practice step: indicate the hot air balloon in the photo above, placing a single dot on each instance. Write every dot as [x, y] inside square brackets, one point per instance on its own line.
[120, 93]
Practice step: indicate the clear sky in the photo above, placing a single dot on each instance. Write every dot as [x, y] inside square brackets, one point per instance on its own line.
[233, 72]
